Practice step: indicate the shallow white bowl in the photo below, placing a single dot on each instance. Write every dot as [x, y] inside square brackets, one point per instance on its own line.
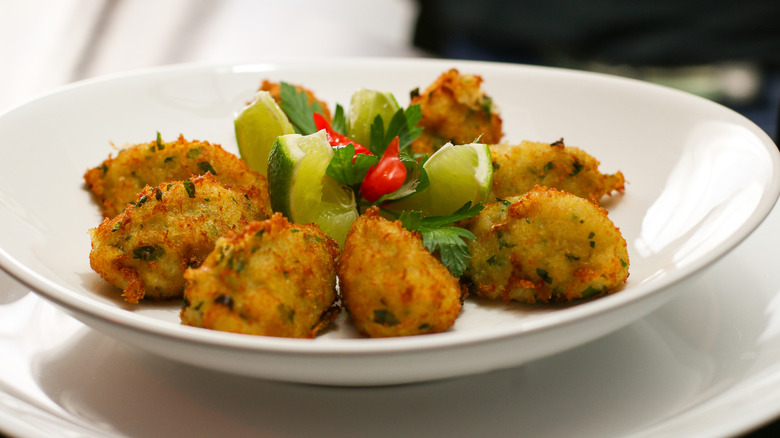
[700, 179]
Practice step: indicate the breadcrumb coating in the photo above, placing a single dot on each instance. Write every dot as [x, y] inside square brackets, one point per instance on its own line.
[545, 246]
[145, 250]
[272, 278]
[391, 285]
[455, 109]
[517, 169]
[117, 181]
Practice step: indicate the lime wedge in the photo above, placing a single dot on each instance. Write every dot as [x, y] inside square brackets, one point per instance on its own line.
[363, 109]
[257, 126]
[457, 174]
[300, 189]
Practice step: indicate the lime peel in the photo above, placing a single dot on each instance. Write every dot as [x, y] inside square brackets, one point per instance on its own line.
[300, 189]
[364, 106]
[456, 175]
[256, 129]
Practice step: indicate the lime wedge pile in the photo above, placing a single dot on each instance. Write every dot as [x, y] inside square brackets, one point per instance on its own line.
[301, 191]
[457, 174]
[257, 126]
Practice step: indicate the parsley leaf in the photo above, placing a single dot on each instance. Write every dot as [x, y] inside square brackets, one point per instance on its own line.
[348, 171]
[452, 248]
[295, 105]
[437, 235]
[403, 125]
[339, 122]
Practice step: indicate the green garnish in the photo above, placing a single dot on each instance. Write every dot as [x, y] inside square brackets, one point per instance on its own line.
[501, 242]
[148, 253]
[403, 125]
[591, 292]
[205, 166]
[438, 234]
[295, 105]
[189, 186]
[194, 152]
[385, 317]
[339, 122]
[286, 312]
[486, 103]
[225, 300]
[345, 171]
[160, 145]
[503, 202]
[544, 275]
[576, 168]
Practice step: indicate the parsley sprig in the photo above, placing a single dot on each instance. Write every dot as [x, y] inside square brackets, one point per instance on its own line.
[403, 125]
[438, 234]
[350, 169]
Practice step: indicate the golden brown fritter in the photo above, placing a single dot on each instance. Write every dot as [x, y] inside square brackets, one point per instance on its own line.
[275, 89]
[545, 246]
[145, 249]
[272, 279]
[519, 168]
[455, 109]
[391, 285]
[117, 181]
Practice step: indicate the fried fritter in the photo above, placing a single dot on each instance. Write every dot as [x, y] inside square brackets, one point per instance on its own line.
[545, 246]
[275, 89]
[455, 109]
[519, 168]
[273, 279]
[145, 249]
[391, 285]
[117, 181]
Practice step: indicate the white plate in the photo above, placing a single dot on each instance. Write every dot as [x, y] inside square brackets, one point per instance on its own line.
[701, 178]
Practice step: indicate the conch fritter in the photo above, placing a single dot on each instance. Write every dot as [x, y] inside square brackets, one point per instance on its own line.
[455, 109]
[545, 246]
[519, 168]
[391, 285]
[117, 181]
[272, 279]
[145, 249]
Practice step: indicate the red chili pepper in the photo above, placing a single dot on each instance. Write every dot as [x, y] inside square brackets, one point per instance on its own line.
[334, 138]
[387, 176]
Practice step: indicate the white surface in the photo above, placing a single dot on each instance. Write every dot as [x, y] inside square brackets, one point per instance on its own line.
[701, 178]
[707, 364]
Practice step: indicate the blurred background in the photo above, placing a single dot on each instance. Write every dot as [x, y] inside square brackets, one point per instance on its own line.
[728, 51]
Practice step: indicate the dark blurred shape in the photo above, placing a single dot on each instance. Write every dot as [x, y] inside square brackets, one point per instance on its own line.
[724, 50]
